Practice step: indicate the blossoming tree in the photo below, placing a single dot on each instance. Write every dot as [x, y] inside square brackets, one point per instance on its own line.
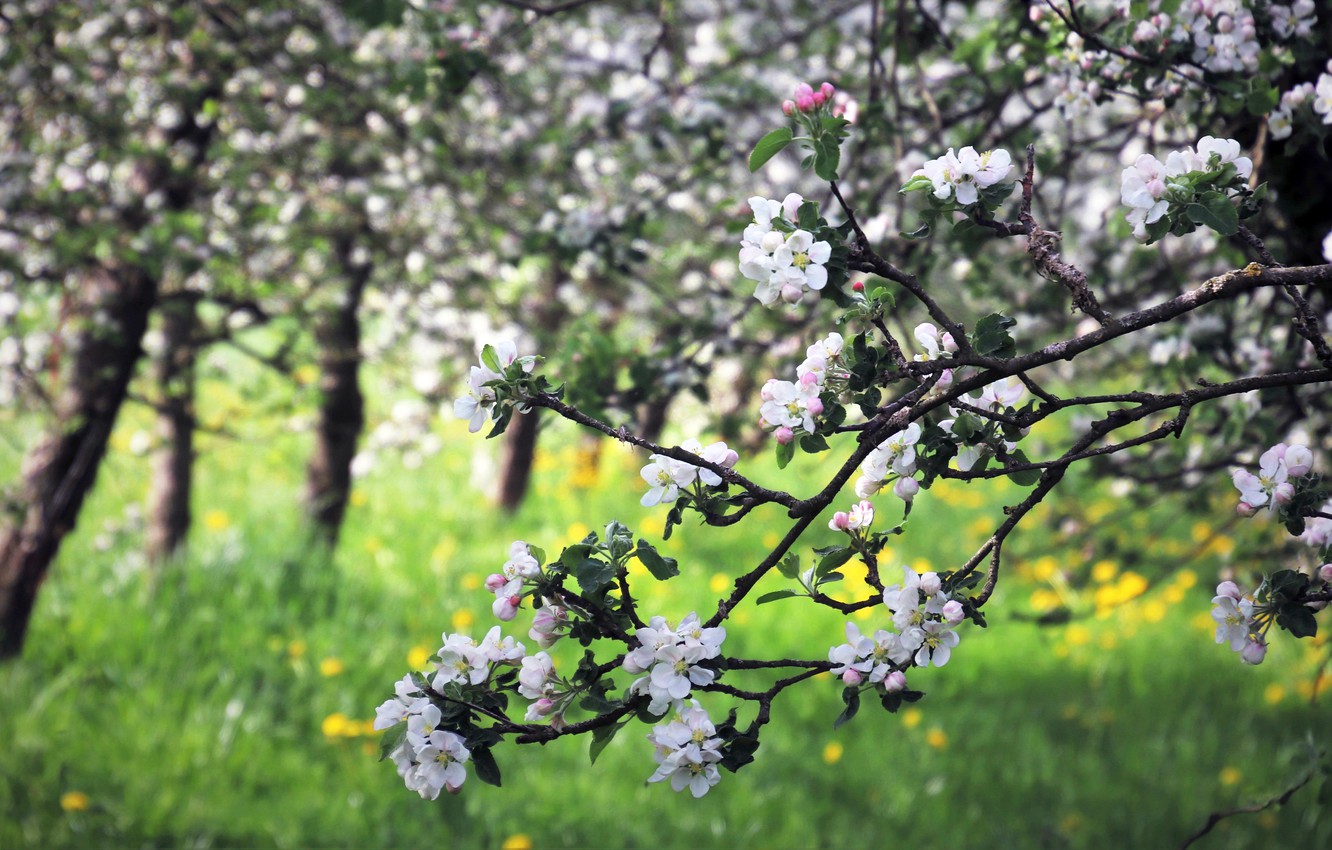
[917, 386]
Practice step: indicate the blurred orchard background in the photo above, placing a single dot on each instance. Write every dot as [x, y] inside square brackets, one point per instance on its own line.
[249, 249]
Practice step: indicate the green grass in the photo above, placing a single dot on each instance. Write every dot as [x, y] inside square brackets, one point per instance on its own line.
[190, 706]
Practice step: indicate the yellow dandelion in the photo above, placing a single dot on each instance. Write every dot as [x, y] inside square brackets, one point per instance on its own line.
[936, 738]
[911, 718]
[1230, 775]
[374, 545]
[1043, 598]
[306, 374]
[471, 581]
[444, 550]
[577, 531]
[1044, 568]
[1154, 611]
[863, 613]
[1131, 584]
[358, 499]
[1077, 635]
[1103, 571]
[832, 753]
[330, 667]
[1200, 531]
[519, 841]
[1186, 579]
[335, 725]
[1220, 545]
[771, 539]
[653, 526]
[463, 620]
[74, 801]
[1174, 594]
[1274, 694]
[719, 583]
[417, 657]
[1071, 823]
[922, 565]
[296, 649]
[216, 520]
[1098, 511]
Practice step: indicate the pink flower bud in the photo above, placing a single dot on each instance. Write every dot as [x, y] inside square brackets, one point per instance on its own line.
[1245, 509]
[851, 677]
[544, 706]
[558, 722]
[894, 682]
[952, 612]
[788, 107]
[805, 102]
[858, 286]
[1225, 23]
[505, 608]
[791, 293]
[839, 521]
[1230, 590]
[930, 584]
[945, 380]
[1299, 460]
[906, 489]
[783, 435]
[1283, 493]
[1325, 573]
[809, 380]
[814, 406]
[495, 581]
[948, 343]
[1254, 651]
[819, 98]
[827, 90]
[803, 90]
[766, 392]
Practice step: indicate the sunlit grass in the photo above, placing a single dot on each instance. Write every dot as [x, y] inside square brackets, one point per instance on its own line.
[226, 700]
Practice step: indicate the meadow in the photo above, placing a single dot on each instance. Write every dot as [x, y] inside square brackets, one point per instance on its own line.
[225, 700]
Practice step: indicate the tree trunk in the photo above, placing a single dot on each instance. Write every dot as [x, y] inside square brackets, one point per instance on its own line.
[169, 492]
[114, 303]
[341, 408]
[520, 442]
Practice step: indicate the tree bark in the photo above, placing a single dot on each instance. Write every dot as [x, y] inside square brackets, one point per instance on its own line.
[520, 442]
[341, 409]
[113, 305]
[169, 513]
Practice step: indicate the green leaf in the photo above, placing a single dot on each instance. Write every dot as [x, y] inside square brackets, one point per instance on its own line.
[768, 147]
[916, 183]
[393, 738]
[1215, 212]
[593, 575]
[785, 453]
[774, 596]
[790, 565]
[600, 738]
[832, 560]
[662, 568]
[490, 359]
[807, 216]
[813, 443]
[827, 157]
[1298, 620]
[486, 768]
[991, 339]
[1263, 99]
[850, 696]
[921, 232]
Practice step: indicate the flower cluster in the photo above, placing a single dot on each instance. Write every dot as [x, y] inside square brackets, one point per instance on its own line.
[894, 458]
[479, 403]
[793, 408]
[507, 584]
[687, 751]
[1236, 623]
[855, 521]
[1301, 103]
[1149, 186]
[671, 658]
[537, 682]
[808, 99]
[784, 259]
[1271, 486]
[464, 661]
[964, 174]
[666, 476]
[995, 397]
[924, 617]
